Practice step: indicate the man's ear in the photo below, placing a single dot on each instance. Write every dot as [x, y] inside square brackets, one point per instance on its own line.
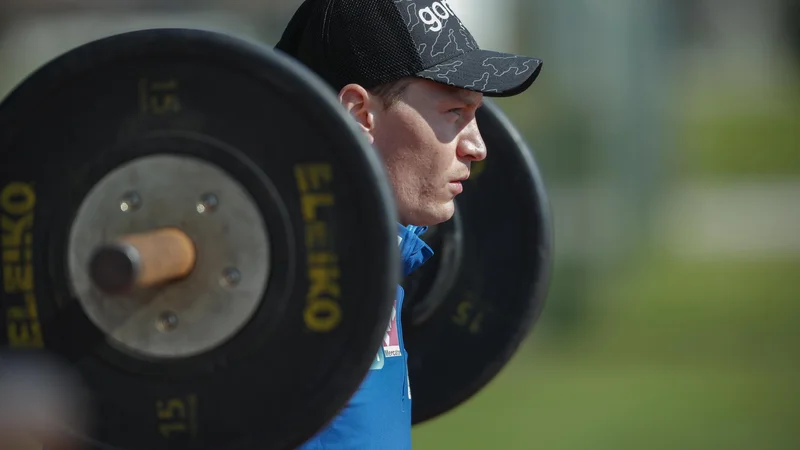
[358, 102]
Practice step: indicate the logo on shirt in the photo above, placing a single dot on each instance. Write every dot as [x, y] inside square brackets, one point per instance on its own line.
[377, 363]
[391, 341]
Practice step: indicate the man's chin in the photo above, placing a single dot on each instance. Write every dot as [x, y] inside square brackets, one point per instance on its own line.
[437, 216]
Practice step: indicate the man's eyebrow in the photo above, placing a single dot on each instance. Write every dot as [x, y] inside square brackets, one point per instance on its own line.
[469, 98]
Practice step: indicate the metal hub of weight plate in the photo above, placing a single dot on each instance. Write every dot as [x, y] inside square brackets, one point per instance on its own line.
[473, 303]
[271, 309]
[227, 256]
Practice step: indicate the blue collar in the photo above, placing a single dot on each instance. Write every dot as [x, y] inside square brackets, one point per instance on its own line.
[413, 249]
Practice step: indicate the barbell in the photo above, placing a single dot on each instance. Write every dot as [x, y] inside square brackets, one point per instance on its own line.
[193, 225]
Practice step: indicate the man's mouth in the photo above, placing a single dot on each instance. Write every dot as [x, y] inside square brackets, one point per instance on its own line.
[456, 186]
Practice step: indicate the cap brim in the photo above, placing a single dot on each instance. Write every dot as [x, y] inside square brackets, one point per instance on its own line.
[494, 74]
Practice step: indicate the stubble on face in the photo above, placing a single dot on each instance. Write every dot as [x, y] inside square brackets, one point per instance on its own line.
[417, 139]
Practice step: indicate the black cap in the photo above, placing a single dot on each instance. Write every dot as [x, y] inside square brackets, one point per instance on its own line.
[371, 42]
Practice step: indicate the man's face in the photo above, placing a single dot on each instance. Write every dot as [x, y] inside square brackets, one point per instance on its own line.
[428, 140]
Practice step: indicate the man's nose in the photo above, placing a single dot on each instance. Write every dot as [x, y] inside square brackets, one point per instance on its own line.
[471, 145]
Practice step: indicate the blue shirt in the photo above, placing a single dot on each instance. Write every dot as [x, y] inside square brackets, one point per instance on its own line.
[378, 415]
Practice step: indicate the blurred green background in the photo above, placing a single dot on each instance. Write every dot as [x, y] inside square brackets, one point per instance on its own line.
[669, 137]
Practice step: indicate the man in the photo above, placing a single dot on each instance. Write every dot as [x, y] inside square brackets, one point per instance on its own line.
[412, 77]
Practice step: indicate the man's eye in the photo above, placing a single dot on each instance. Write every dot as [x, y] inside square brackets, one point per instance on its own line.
[456, 111]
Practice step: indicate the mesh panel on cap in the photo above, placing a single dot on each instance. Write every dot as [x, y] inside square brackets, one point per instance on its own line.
[368, 43]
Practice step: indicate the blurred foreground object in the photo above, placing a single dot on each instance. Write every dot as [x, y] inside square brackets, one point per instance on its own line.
[41, 403]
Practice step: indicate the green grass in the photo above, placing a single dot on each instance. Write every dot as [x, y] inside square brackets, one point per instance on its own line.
[742, 143]
[725, 132]
[699, 356]
[594, 406]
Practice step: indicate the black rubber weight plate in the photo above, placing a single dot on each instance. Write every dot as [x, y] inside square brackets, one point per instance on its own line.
[502, 280]
[263, 119]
